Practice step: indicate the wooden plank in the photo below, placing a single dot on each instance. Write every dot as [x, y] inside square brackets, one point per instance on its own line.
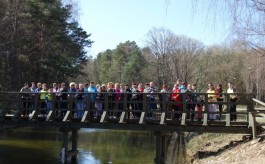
[33, 115]
[102, 119]
[254, 128]
[162, 118]
[258, 101]
[205, 119]
[260, 109]
[227, 118]
[250, 119]
[122, 117]
[48, 118]
[142, 118]
[183, 119]
[84, 118]
[67, 115]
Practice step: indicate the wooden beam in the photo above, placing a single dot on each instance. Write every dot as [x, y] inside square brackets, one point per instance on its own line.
[254, 127]
[183, 119]
[33, 115]
[48, 118]
[141, 121]
[85, 116]
[67, 116]
[102, 119]
[227, 122]
[122, 117]
[162, 118]
[205, 119]
[258, 101]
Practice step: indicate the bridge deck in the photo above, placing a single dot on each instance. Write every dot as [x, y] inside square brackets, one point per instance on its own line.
[163, 118]
[216, 126]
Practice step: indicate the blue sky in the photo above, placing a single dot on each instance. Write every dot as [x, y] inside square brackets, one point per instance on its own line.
[115, 21]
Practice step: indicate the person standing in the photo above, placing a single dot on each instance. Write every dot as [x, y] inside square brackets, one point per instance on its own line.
[111, 103]
[100, 97]
[62, 94]
[128, 95]
[233, 98]
[80, 100]
[151, 98]
[72, 95]
[176, 98]
[33, 96]
[43, 98]
[92, 94]
[25, 97]
[211, 98]
[219, 97]
[164, 96]
[135, 100]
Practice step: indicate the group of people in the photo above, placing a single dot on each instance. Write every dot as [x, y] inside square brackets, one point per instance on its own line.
[216, 95]
[94, 96]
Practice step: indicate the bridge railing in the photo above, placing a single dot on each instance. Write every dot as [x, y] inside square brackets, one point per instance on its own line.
[124, 107]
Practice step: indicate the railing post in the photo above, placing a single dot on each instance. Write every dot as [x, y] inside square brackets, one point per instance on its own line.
[106, 106]
[250, 105]
[163, 108]
[3, 103]
[254, 125]
[52, 111]
[143, 114]
[124, 108]
[64, 146]
[205, 113]
[228, 115]
[184, 111]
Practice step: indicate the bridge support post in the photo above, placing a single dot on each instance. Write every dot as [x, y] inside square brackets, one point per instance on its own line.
[65, 154]
[74, 145]
[161, 147]
[64, 146]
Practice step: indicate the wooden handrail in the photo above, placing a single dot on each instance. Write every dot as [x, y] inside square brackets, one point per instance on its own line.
[259, 102]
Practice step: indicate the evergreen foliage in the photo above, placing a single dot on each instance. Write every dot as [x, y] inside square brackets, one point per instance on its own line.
[39, 42]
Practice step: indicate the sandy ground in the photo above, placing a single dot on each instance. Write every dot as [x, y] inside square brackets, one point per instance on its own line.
[249, 152]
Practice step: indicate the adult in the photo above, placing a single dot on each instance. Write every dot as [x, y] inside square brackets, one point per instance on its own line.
[233, 98]
[135, 99]
[32, 97]
[72, 94]
[92, 90]
[196, 98]
[150, 90]
[164, 96]
[54, 90]
[219, 97]
[62, 94]
[189, 102]
[25, 97]
[111, 103]
[43, 98]
[80, 100]
[100, 100]
[176, 98]
[128, 95]
[211, 98]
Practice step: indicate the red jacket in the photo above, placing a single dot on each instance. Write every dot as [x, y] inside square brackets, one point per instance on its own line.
[176, 97]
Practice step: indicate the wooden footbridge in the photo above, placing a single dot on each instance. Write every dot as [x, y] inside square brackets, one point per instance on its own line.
[26, 109]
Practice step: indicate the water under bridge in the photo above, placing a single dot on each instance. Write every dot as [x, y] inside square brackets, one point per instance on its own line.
[128, 114]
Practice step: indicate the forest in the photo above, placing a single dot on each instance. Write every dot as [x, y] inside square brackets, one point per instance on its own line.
[42, 41]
